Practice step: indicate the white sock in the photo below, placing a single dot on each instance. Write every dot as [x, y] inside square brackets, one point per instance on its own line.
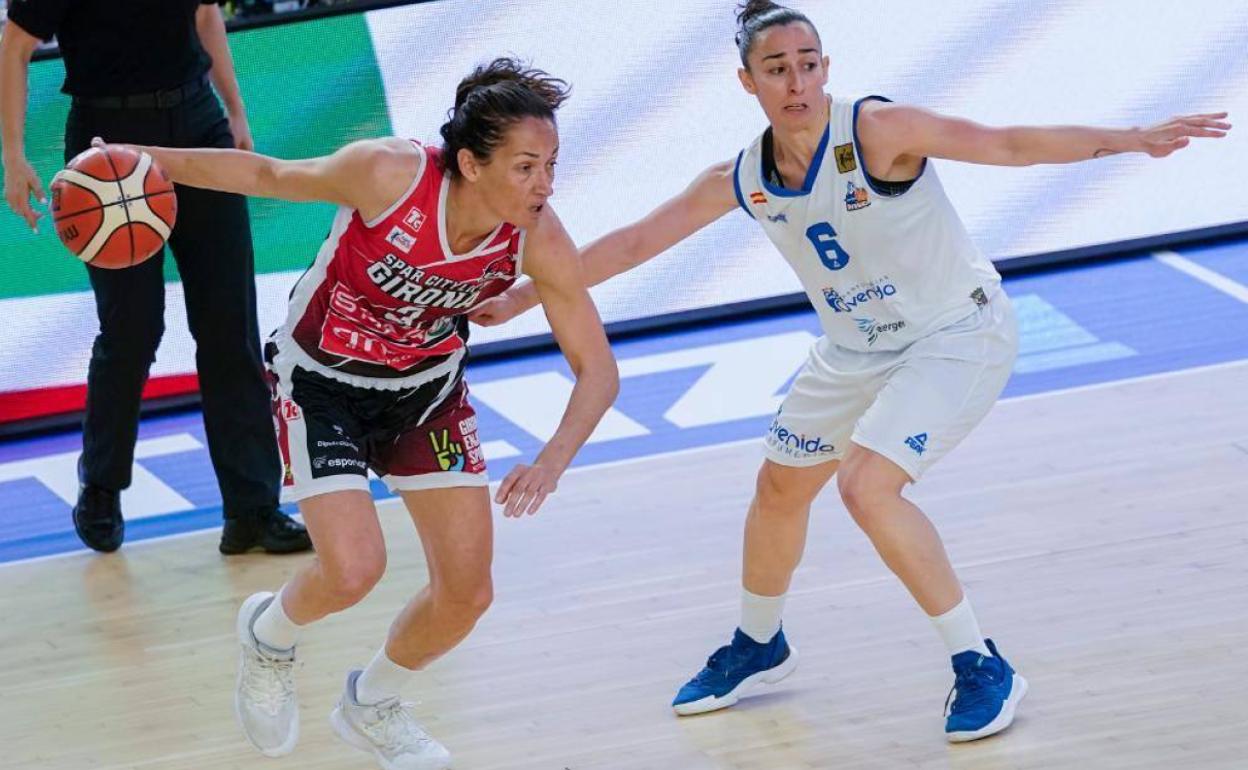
[960, 630]
[273, 628]
[760, 615]
[381, 680]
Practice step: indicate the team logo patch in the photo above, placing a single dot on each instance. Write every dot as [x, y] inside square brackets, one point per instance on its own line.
[758, 198]
[414, 219]
[855, 197]
[845, 162]
[401, 240]
[450, 454]
[918, 443]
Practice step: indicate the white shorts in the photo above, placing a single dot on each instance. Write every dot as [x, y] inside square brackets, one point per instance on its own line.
[911, 405]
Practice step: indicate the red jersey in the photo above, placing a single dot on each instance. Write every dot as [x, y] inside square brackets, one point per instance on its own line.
[385, 302]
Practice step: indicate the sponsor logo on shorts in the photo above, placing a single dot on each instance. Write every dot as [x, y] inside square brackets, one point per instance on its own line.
[400, 239]
[778, 218]
[873, 329]
[796, 444]
[290, 410]
[449, 454]
[343, 443]
[979, 297]
[858, 295]
[350, 464]
[918, 443]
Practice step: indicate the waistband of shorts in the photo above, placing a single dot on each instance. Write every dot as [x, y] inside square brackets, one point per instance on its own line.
[289, 355]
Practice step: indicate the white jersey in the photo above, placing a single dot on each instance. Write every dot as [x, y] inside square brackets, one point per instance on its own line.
[881, 270]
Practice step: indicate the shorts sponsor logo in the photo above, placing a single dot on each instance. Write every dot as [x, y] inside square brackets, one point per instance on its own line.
[449, 454]
[342, 443]
[858, 295]
[350, 464]
[918, 443]
[796, 444]
[400, 240]
[778, 218]
[290, 410]
[873, 329]
[979, 297]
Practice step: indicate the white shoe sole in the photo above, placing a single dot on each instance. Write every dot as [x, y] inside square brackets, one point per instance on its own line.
[243, 629]
[348, 734]
[1003, 720]
[747, 686]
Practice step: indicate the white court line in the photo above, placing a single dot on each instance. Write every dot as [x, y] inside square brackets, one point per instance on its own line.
[690, 450]
[1204, 275]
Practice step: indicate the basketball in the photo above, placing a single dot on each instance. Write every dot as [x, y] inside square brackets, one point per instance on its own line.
[113, 207]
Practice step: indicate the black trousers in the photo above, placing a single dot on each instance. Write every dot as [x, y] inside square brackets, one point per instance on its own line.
[212, 245]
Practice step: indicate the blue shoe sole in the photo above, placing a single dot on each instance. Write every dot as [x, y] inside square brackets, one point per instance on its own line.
[747, 685]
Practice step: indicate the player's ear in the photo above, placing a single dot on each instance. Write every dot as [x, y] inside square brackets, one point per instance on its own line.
[469, 166]
[747, 81]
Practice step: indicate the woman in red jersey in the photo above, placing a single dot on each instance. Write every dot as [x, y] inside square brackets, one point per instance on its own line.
[367, 373]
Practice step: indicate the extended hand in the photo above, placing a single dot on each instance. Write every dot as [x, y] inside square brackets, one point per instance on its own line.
[20, 181]
[1176, 133]
[525, 488]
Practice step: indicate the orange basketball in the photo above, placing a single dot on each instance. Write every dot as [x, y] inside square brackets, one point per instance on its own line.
[113, 207]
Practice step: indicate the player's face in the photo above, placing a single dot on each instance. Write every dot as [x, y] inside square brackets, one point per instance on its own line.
[520, 176]
[787, 73]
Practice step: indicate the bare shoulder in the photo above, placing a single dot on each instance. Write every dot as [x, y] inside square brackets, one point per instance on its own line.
[380, 170]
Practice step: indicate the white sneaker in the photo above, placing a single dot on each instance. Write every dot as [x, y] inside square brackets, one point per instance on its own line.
[264, 696]
[388, 731]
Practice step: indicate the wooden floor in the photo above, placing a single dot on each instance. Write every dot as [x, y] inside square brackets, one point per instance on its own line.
[1103, 534]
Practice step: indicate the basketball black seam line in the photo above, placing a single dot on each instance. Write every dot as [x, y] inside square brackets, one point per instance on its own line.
[145, 196]
[122, 191]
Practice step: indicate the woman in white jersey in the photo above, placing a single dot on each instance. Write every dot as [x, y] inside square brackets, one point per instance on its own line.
[368, 374]
[919, 343]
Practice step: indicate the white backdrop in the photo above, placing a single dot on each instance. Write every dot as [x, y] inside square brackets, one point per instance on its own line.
[656, 100]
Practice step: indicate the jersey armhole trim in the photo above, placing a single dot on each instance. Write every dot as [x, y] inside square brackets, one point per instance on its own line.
[411, 188]
[862, 163]
[736, 185]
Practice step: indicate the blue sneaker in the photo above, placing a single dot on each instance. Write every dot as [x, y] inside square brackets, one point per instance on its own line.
[733, 671]
[985, 693]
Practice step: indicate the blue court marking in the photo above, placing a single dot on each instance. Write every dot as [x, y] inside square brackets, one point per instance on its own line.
[1078, 326]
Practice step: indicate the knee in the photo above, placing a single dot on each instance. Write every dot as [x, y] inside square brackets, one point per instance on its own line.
[774, 499]
[864, 492]
[350, 580]
[130, 343]
[466, 600]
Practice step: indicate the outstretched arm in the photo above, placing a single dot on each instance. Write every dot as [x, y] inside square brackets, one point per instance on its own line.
[895, 133]
[706, 199]
[552, 263]
[367, 175]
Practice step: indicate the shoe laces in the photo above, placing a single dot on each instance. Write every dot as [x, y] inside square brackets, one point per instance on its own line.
[267, 681]
[973, 686]
[391, 726]
[718, 665]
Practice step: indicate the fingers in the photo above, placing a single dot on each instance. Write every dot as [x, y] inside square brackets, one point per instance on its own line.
[504, 489]
[97, 142]
[523, 491]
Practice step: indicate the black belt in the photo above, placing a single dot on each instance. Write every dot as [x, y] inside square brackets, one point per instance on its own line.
[155, 100]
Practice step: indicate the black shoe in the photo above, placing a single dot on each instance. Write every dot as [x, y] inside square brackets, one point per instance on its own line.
[266, 528]
[97, 518]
